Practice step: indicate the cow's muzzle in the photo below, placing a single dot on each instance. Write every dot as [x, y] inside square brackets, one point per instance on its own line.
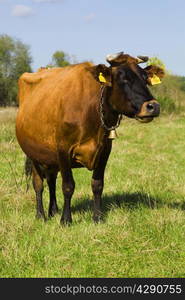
[149, 110]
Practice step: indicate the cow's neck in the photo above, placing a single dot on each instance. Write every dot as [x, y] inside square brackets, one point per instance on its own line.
[110, 118]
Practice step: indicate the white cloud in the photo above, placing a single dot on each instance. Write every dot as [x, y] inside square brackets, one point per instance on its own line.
[22, 11]
[90, 17]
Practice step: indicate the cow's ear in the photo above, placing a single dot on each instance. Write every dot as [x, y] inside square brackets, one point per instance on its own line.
[102, 74]
[155, 74]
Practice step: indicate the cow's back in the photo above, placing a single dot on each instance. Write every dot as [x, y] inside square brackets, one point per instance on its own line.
[49, 99]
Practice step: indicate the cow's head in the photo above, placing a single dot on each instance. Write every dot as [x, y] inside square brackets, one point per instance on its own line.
[128, 81]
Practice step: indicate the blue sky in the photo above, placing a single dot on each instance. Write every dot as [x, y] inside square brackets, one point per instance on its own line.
[90, 29]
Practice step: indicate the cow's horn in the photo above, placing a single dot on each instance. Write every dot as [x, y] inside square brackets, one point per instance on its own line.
[111, 57]
[142, 59]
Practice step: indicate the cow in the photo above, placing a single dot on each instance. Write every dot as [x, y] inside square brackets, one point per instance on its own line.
[66, 117]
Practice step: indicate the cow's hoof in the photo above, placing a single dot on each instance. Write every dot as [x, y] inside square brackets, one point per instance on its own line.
[97, 218]
[65, 222]
[52, 212]
[40, 216]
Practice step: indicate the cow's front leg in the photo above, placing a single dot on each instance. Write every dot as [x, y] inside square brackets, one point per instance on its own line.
[97, 182]
[97, 188]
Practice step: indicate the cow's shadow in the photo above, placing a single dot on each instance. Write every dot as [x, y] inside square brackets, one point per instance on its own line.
[130, 201]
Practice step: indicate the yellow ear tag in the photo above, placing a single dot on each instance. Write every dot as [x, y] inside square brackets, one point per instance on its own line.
[155, 80]
[102, 78]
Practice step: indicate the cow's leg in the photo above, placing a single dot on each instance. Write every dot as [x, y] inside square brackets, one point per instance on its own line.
[37, 178]
[68, 186]
[51, 181]
[97, 182]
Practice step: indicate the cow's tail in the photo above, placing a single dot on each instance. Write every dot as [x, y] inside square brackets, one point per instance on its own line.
[28, 167]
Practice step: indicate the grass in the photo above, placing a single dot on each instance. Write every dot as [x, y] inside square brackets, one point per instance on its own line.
[171, 94]
[143, 233]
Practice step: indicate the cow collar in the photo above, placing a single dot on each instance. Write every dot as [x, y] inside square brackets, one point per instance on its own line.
[102, 114]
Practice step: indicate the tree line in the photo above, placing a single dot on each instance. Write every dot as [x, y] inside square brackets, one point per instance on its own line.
[15, 59]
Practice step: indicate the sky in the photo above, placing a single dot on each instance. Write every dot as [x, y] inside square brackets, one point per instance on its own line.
[91, 29]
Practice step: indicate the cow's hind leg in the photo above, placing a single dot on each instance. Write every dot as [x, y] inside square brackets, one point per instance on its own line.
[51, 181]
[97, 182]
[68, 186]
[37, 178]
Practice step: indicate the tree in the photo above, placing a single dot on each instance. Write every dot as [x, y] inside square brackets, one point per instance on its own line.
[15, 59]
[60, 59]
[3, 91]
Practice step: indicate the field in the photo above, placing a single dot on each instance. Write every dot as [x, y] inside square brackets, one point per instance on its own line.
[143, 233]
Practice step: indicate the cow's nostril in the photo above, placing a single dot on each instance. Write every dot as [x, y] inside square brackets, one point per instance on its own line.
[150, 107]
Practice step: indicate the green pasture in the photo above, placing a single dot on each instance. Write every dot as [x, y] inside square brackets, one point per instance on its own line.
[143, 232]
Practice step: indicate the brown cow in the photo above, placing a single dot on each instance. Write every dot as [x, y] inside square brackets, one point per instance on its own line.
[66, 114]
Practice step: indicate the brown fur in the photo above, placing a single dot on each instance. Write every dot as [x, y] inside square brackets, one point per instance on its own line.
[53, 106]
